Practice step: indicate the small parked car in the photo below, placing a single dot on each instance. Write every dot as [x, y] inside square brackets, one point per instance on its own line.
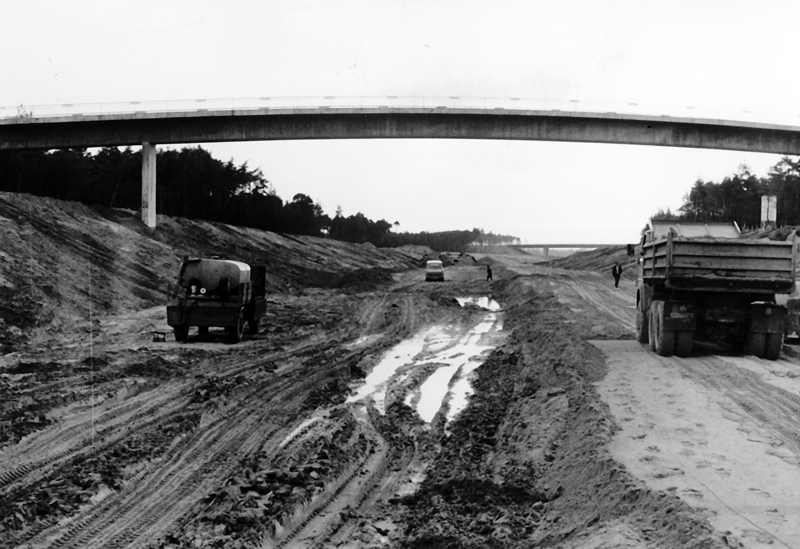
[434, 270]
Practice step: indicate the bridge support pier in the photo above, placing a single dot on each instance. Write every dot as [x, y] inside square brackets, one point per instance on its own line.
[149, 184]
[546, 252]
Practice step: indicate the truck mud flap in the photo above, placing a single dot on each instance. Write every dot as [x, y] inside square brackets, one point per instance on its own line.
[175, 316]
[767, 318]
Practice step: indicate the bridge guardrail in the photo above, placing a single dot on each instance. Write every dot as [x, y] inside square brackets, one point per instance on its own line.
[33, 113]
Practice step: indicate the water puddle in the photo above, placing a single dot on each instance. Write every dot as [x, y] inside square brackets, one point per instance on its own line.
[376, 382]
[482, 302]
[450, 384]
[363, 341]
[446, 354]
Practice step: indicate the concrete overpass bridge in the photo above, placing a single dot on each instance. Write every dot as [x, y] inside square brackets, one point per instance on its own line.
[389, 117]
[547, 247]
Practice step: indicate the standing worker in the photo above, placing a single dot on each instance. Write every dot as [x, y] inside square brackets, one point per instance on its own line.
[489, 273]
[616, 272]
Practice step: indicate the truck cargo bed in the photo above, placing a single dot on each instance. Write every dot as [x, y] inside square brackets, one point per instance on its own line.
[720, 264]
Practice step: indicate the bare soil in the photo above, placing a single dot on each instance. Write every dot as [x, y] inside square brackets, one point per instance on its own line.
[572, 435]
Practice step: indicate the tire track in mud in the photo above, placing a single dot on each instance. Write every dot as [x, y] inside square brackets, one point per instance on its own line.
[80, 441]
[588, 292]
[411, 447]
[155, 504]
[56, 446]
[320, 517]
[164, 498]
[328, 519]
[592, 305]
[774, 408]
[373, 315]
[164, 494]
[398, 466]
[316, 522]
[371, 312]
[332, 518]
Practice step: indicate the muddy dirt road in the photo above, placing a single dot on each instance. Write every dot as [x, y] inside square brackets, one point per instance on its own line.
[384, 411]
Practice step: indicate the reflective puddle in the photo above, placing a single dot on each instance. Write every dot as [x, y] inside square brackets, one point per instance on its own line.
[376, 382]
[450, 354]
[482, 302]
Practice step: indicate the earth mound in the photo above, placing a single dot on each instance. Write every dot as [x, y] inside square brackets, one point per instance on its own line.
[600, 260]
[362, 280]
[63, 262]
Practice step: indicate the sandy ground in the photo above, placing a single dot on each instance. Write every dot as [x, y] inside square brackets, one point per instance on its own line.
[716, 431]
[373, 409]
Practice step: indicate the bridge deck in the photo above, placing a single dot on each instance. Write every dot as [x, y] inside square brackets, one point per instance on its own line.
[430, 118]
[439, 122]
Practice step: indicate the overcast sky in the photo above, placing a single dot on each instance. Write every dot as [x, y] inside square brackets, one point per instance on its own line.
[733, 55]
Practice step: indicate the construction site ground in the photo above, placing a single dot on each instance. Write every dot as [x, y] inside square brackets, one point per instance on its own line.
[373, 409]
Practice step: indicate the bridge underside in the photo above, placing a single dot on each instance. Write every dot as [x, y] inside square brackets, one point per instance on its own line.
[200, 127]
[384, 123]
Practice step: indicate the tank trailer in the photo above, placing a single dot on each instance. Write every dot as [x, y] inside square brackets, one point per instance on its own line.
[217, 293]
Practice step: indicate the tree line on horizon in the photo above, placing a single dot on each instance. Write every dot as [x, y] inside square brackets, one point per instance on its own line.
[195, 185]
[738, 197]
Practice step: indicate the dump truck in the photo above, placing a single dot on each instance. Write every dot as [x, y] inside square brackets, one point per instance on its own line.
[704, 281]
[217, 293]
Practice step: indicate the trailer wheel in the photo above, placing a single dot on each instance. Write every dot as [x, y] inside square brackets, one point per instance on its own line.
[651, 329]
[663, 340]
[252, 326]
[772, 346]
[754, 344]
[683, 343]
[235, 333]
[642, 333]
[181, 333]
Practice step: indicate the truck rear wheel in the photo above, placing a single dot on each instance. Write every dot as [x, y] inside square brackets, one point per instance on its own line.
[754, 344]
[235, 333]
[181, 333]
[683, 343]
[772, 346]
[252, 326]
[661, 341]
[641, 326]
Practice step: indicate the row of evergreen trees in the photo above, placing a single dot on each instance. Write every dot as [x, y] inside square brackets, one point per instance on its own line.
[193, 184]
[738, 197]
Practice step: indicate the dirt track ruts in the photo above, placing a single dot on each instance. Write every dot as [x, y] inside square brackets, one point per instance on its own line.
[266, 452]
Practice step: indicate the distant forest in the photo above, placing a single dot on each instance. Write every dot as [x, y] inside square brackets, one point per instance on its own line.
[193, 184]
[738, 197]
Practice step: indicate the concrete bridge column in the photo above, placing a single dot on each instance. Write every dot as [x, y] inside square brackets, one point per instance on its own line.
[546, 252]
[149, 184]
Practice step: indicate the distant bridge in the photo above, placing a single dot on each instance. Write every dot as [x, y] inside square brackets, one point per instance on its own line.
[389, 117]
[547, 247]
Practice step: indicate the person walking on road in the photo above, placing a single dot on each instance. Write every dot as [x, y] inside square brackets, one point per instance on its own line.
[616, 272]
[488, 273]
